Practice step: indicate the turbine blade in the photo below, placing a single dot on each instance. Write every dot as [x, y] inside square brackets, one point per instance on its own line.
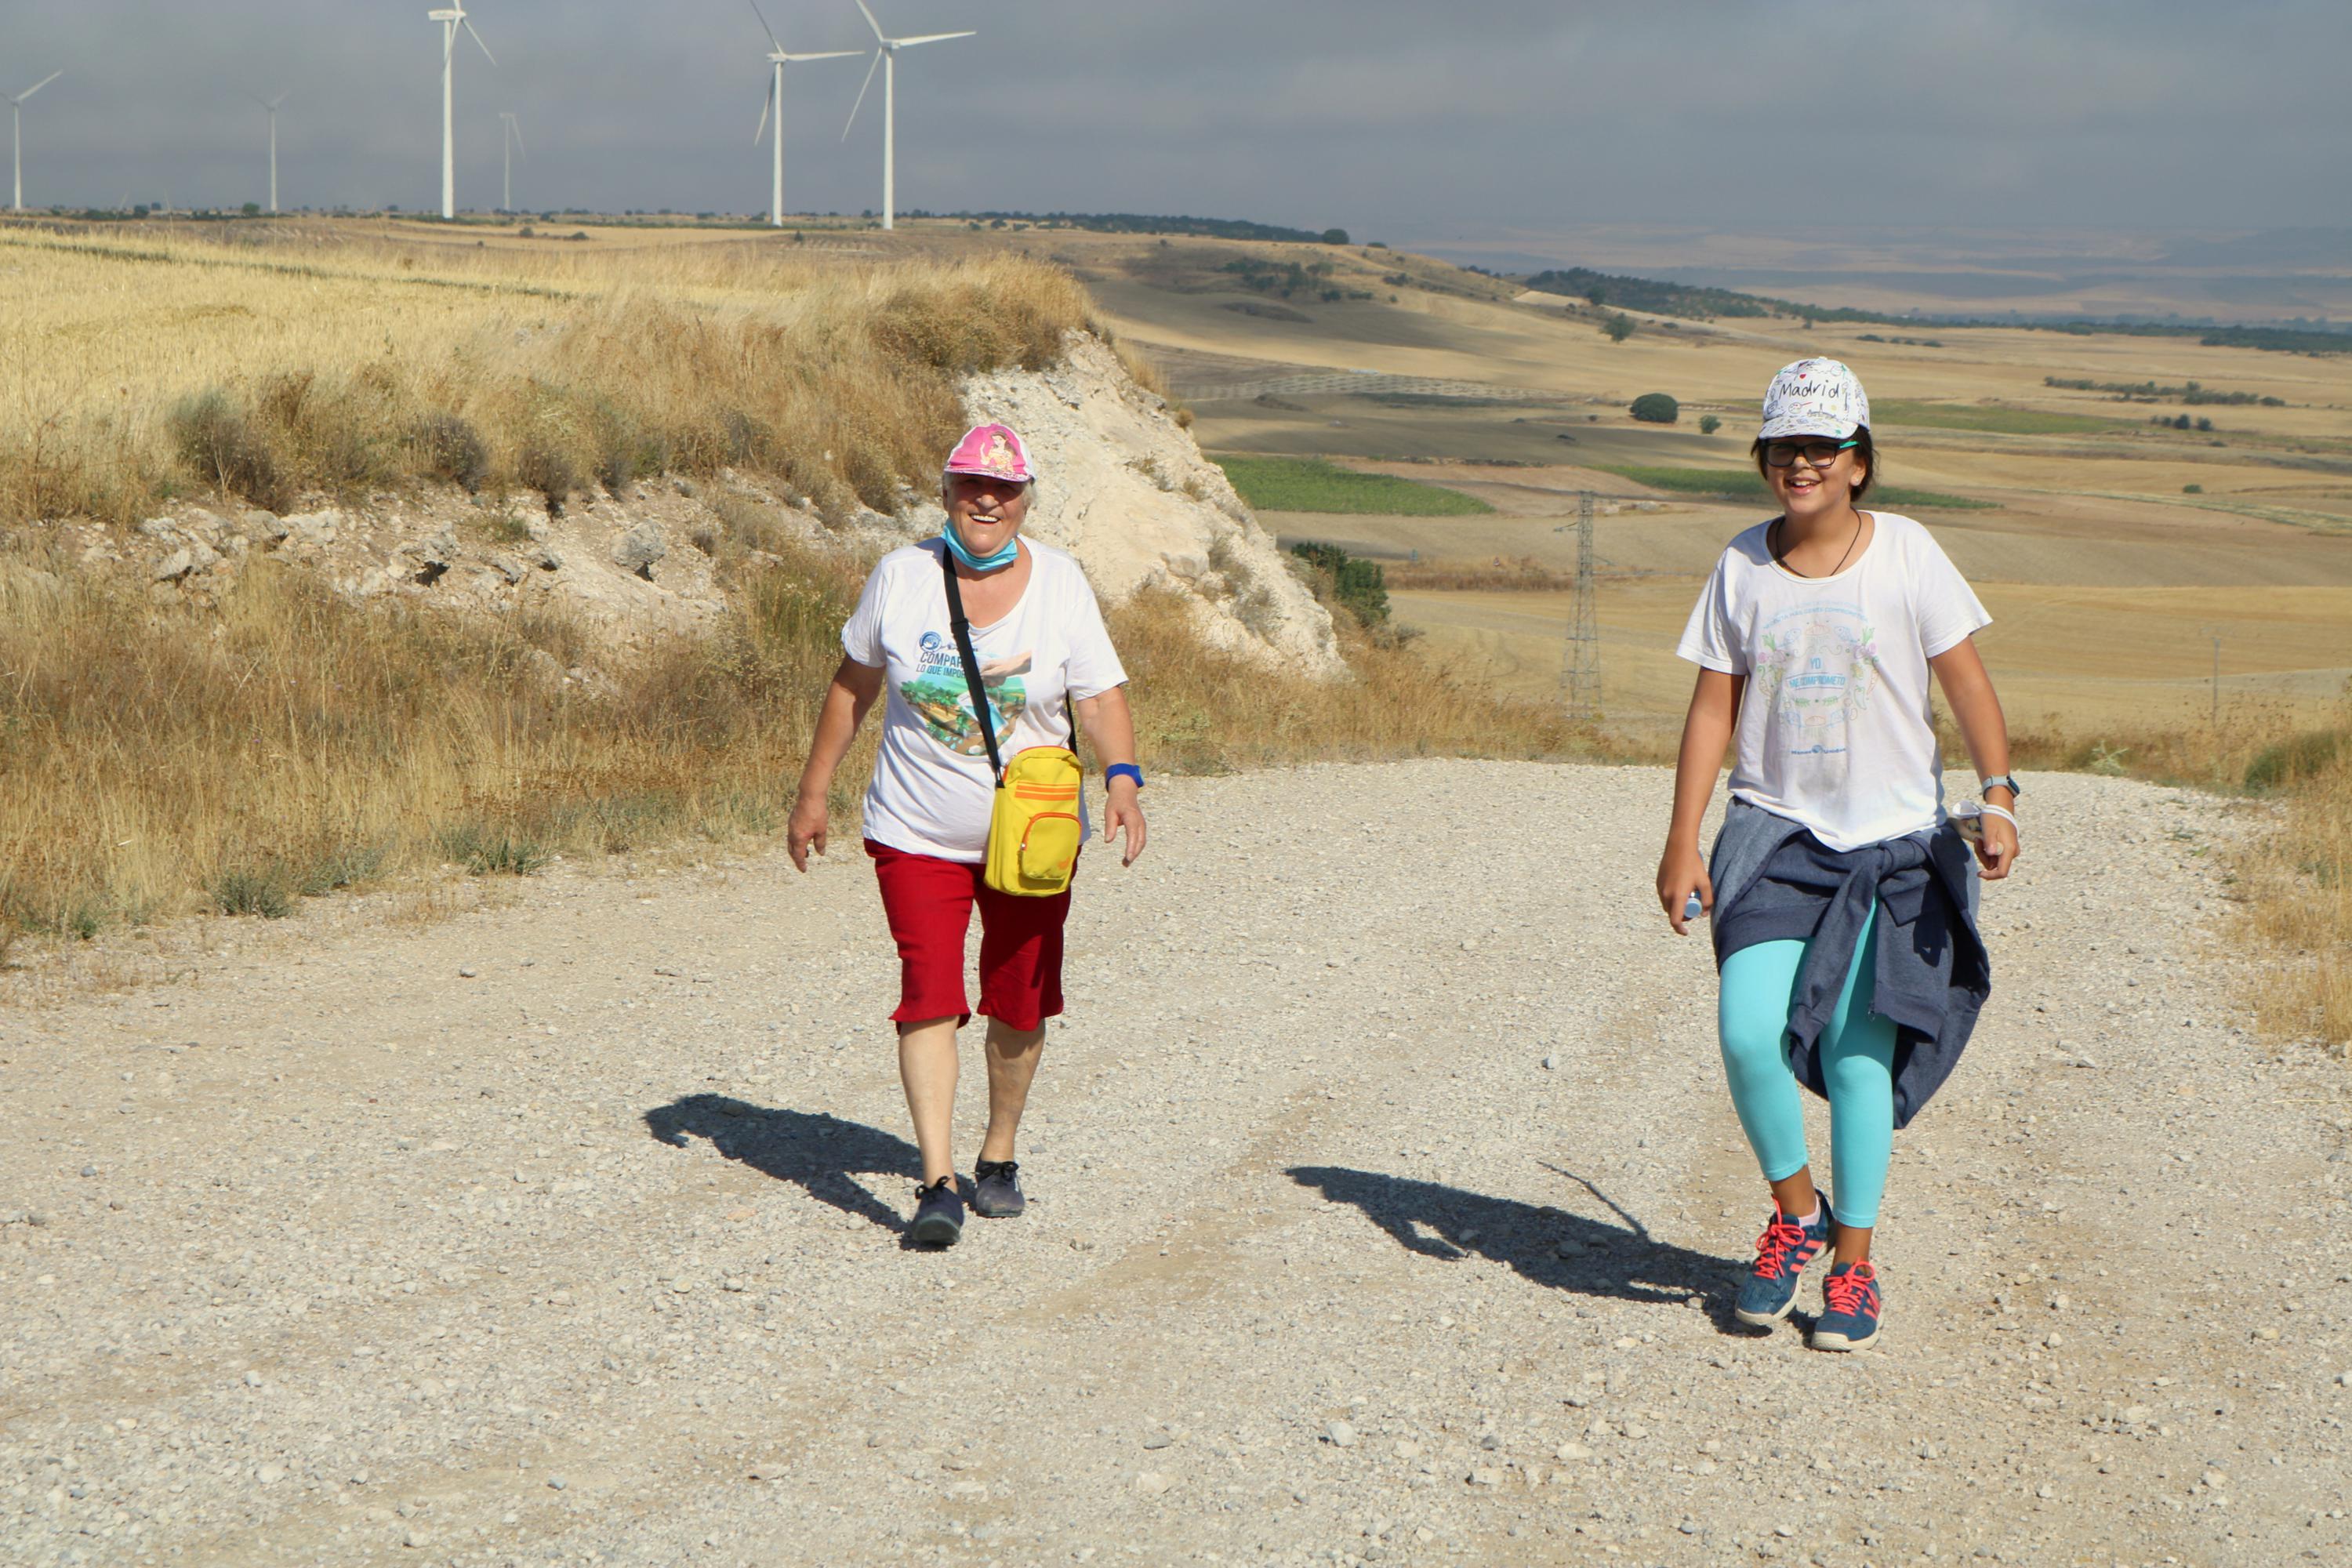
[37, 86]
[477, 38]
[933, 39]
[828, 55]
[281, 98]
[861, 94]
[765, 28]
[515, 126]
[870, 22]
[767, 102]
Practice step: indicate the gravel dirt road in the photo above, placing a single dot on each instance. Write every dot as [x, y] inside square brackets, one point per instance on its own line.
[1387, 1208]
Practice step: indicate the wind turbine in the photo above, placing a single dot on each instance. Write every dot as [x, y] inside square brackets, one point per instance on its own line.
[774, 103]
[887, 56]
[17, 134]
[271, 105]
[451, 19]
[511, 141]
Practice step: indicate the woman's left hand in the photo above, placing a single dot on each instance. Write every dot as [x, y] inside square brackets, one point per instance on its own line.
[1125, 815]
[1997, 851]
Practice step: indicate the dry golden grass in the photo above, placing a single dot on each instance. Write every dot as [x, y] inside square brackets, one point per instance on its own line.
[1198, 709]
[131, 370]
[164, 757]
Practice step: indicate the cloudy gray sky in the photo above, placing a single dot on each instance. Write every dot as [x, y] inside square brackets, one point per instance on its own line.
[1415, 122]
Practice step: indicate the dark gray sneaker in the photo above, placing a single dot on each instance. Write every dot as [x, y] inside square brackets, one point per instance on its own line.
[938, 1214]
[997, 1189]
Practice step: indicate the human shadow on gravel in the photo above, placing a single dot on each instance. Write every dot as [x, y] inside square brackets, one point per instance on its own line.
[817, 1153]
[1551, 1247]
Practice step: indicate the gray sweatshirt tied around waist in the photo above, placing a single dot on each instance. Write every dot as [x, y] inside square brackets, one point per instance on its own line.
[1773, 878]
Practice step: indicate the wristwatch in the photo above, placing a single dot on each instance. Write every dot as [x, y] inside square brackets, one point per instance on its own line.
[1130, 769]
[2001, 781]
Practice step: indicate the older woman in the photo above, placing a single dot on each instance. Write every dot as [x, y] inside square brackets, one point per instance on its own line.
[1042, 656]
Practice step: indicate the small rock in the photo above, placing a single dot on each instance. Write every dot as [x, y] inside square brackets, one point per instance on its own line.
[1485, 1475]
[1551, 1062]
[412, 1536]
[2215, 1480]
[1490, 1441]
[1571, 1452]
[466, 971]
[252, 1379]
[89, 1170]
[557, 1482]
[639, 548]
[1152, 1483]
[1407, 1449]
[174, 567]
[40, 1217]
[270, 1475]
[2266, 1334]
[1158, 1440]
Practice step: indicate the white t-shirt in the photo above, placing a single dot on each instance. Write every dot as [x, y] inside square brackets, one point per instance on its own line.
[933, 791]
[1835, 731]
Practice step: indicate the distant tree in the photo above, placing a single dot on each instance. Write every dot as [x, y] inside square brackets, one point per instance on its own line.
[2206, 424]
[1598, 294]
[1619, 327]
[1335, 236]
[1709, 424]
[253, 209]
[1655, 408]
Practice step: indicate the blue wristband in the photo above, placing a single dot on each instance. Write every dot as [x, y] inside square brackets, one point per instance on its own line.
[1130, 769]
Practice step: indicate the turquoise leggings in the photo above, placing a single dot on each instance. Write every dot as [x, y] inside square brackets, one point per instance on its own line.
[1857, 1056]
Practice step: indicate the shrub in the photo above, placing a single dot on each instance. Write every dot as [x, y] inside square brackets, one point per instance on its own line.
[1357, 585]
[1619, 326]
[2192, 490]
[216, 440]
[449, 449]
[2299, 757]
[263, 893]
[1709, 424]
[1655, 408]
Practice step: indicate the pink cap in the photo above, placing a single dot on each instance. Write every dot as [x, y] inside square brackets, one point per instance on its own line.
[994, 451]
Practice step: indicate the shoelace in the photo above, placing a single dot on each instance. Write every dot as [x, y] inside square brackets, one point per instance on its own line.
[1853, 1291]
[1008, 1169]
[947, 1183]
[1781, 1237]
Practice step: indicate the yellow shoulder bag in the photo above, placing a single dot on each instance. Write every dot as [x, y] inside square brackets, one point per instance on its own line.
[1033, 828]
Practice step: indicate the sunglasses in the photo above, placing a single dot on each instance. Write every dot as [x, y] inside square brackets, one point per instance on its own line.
[1816, 454]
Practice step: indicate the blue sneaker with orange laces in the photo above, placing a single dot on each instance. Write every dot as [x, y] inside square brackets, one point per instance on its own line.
[1769, 1291]
[1849, 1320]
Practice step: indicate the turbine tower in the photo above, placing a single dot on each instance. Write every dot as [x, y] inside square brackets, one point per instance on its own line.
[451, 19]
[887, 56]
[271, 104]
[510, 143]
[774, 104]
[16, 132]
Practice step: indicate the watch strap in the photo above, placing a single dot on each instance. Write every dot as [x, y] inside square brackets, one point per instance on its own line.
[2001, 781]
[1128, 769]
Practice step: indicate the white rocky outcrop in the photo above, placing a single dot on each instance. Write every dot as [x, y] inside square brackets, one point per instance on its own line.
[1122, 487]
[1125, 488]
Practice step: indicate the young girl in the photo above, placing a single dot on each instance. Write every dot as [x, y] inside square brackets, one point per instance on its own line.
[1843, 892]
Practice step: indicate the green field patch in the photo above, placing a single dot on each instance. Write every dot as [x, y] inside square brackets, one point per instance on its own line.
[1310, 484]
[1747, 485]
[1982, 416]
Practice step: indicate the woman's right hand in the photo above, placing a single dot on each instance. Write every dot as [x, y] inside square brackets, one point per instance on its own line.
[1682, 870]
[806, 829]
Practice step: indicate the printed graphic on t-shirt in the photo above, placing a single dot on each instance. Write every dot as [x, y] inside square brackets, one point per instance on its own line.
[942, 696]
[1817, 667]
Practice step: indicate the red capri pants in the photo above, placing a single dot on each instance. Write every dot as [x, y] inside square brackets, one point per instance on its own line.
[929, 903]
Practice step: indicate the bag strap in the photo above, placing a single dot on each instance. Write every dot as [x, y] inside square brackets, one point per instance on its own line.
[962, 630]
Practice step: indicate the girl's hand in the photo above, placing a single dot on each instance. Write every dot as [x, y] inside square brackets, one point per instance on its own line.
[1124, 814]
[1682, 870]
[1996, 852]
[807, 830]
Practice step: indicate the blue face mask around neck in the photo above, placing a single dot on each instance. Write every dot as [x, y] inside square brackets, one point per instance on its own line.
[1004, 557]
